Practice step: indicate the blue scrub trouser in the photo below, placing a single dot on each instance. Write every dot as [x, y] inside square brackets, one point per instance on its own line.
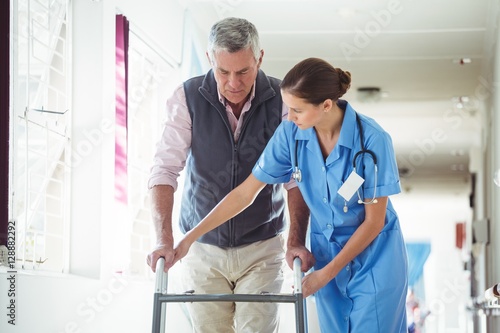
[369, 294]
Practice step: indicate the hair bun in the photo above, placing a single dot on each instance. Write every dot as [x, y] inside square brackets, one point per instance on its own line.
[345, 76]
[344, 81]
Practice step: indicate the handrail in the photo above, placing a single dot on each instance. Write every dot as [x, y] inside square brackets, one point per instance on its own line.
[490, 304]
[493, 293]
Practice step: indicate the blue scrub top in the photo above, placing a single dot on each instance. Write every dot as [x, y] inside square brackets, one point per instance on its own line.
[348, 303]
[322, 179]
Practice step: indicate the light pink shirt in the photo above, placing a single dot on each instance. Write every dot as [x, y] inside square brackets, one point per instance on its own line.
[175, 142]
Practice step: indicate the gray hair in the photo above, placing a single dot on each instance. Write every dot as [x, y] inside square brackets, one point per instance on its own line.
[232, 35]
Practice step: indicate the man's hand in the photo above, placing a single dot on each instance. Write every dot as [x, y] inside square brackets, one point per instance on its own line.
[161, 251]
[303, 253]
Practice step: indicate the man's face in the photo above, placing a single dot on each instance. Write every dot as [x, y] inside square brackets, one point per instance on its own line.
[235, 73]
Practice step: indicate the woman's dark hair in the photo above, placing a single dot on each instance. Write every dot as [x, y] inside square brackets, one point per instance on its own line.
[315, 81]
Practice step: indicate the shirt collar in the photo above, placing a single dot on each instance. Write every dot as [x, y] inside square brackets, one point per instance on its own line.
[222, 99]
[346, 137]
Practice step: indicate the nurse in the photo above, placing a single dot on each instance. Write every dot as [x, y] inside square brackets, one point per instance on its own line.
[360, 271]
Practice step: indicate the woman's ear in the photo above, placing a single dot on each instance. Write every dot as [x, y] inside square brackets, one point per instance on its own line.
[327, 105]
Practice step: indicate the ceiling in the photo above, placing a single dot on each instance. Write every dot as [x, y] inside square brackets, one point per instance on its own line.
[428, 58]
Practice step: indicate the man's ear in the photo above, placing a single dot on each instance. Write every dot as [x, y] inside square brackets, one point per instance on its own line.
[209, 60]
[259, 62]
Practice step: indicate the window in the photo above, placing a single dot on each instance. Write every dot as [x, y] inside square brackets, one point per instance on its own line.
[152, 77]
[41, 131]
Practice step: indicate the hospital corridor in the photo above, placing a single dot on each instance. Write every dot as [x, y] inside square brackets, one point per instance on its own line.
[113, 149]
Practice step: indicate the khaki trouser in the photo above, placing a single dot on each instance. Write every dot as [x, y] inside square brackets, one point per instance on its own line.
[249, 269]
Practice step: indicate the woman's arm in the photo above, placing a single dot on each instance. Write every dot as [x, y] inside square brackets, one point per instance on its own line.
[233, 203]
[362, 237]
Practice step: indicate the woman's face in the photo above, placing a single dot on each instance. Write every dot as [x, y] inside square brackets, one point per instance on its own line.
[302, 113]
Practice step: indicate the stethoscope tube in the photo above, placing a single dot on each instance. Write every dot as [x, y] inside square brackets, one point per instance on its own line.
[374, 157]
[297, 173]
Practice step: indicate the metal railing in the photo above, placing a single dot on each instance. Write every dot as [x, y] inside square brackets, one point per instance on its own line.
[490, 304]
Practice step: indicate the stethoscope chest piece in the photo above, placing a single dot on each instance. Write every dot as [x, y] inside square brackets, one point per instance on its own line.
[297, 174]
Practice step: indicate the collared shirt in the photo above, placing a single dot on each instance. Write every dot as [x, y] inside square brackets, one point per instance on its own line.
[321, 179]
[173, 147]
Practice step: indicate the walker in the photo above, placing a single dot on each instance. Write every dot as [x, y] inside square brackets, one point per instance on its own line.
[161, 298]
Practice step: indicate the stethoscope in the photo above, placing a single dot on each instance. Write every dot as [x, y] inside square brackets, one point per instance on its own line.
[297, 173]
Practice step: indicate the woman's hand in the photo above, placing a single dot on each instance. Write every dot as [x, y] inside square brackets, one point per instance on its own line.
[314, 281]
[181, 249]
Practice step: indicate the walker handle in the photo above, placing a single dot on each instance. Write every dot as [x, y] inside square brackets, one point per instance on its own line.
[297, 270]
[161, 277]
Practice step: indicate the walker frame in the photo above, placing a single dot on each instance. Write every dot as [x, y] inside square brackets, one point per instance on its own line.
[161, 298]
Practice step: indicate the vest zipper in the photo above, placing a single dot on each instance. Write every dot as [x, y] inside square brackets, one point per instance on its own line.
[232, 229]
[232, 235]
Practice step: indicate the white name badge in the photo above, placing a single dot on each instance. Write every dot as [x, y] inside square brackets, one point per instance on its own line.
[350, 186]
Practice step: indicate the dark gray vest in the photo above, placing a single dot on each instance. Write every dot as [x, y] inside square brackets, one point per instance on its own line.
[217, 164]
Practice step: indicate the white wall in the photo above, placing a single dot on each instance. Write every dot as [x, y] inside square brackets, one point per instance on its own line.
[493, 192]
[64, 304]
